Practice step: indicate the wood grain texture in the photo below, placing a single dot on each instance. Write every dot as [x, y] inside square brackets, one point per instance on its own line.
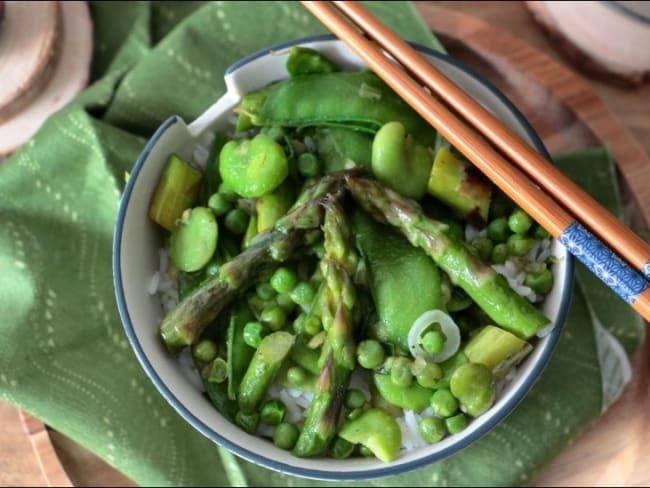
[69, 73]
[29, 47]
[570, 112]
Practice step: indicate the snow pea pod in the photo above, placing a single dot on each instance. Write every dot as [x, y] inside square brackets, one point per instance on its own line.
[404, 281]
[338, 146]
[317, 100]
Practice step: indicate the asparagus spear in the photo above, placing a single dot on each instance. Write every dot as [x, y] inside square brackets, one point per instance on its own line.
[183, 325]
[487, 288]
[338, 358]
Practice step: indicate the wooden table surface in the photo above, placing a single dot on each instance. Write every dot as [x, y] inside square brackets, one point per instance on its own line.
[18, 464]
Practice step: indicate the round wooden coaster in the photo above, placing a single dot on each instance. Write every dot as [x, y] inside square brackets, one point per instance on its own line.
[46, 78]
[30, 39]
[605, 42]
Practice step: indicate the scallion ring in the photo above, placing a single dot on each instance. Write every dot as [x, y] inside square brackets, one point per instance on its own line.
[447, 326]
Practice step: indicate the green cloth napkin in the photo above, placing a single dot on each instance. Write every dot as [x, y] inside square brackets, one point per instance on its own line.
[64, 356]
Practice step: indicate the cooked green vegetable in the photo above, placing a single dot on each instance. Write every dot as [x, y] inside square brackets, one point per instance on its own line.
[487, 288]
[376, 430]
[457, 183]
[177, 190]
[262, 369]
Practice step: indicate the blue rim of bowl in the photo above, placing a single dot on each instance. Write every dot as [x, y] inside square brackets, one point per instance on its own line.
[624, 9]
[389, 470]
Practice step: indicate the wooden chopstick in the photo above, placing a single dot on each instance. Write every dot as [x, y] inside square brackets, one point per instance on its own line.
[587, 210]
[603, 261]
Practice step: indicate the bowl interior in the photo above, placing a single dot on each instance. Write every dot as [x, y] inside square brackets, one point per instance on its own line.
[136, 259]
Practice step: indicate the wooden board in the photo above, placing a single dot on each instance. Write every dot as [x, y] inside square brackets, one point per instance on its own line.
[568, 114]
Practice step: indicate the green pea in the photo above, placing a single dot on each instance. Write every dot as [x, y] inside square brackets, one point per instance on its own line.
[194, 240]
[285, 435]
[236, 221]
[433, 341]
[519, 245]
[432, 429]
[354, 398]
[309, 165]
[483, 246]
[285, 302]
[275, 132]
[303, 293]
[541, 282]
[219, 204]
[227, 192]
[365, 451]
[519, 221]
[253, 333]
[456, 423]
[498, 230]
[499, 253]
[297, 376]
[205, 350]
[265, 291]
[474, 386]
[247, 421]
[540, 232]
[274, 318]
[428, 375]
[283, 280]
[313, 325]
[341, 449]
[253, 167]
[400, 372]
[299, 323]
[443, 403]
[273, 412]
[370, 354]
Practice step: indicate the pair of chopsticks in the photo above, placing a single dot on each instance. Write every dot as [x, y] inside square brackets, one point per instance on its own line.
[620, 258]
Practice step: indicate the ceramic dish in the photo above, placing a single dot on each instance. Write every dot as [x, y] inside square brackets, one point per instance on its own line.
[137, 242]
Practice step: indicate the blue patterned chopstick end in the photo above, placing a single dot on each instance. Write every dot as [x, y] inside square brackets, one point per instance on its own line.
[604, 263]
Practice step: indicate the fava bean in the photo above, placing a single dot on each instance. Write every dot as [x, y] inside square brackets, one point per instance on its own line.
[253, 167]
[399, 162]
[474, 387]
[377, 430]
[194, 240]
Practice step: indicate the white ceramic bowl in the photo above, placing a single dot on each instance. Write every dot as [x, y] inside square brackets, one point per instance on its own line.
[137, 242]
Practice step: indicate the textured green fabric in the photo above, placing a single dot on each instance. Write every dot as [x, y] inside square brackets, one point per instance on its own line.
[64, 356]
